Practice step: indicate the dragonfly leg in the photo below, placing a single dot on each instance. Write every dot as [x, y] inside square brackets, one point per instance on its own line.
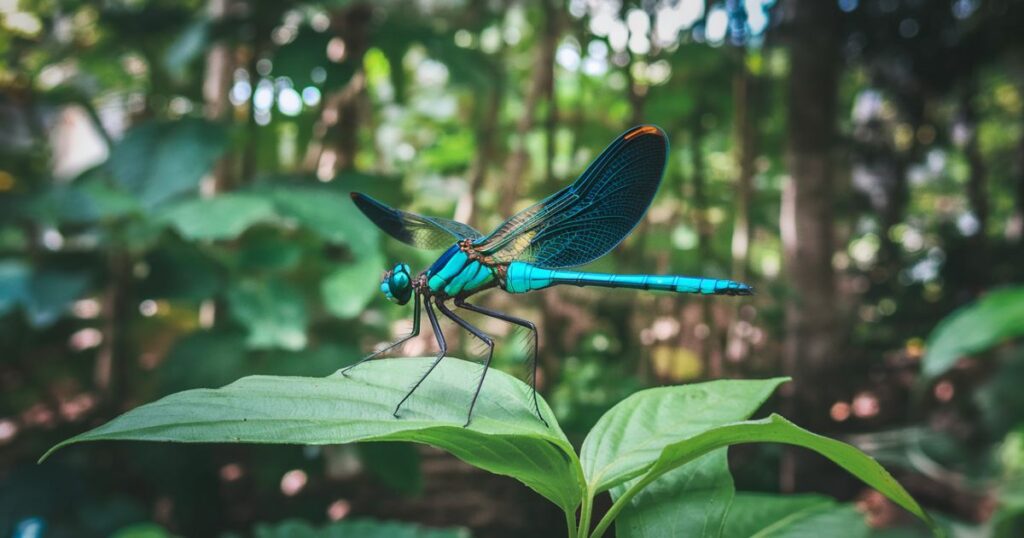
[413, 334]
[461, 303]
[479, 334]
[432, 317]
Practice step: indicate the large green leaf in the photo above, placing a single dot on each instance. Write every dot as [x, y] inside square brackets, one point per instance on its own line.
[157, 161]
[222, 217]
[359, 528]
[762, 515]
[689, 501]
[997, 317]
[692, 500]
[633, 434]
[773, 429]
[347, 290]
[505, 436]
[272, 310]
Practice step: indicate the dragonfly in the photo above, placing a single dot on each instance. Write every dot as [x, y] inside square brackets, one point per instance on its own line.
[533, 250]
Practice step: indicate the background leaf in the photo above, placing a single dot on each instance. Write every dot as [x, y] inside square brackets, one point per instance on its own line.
[997, 317]
[224, 216]
[157, 161]
[355, 529]
[347, 290]
[273, 312]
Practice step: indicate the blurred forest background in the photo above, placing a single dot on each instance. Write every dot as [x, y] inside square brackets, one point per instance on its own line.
[174, 214]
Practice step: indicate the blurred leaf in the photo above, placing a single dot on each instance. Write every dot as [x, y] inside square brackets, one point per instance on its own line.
[766, 515]
[14, 284]
[268, 250]
[203, 359]
[308, 52]
[348, 290]
[505, 436]
[50, 292]
[995, 318]
[273, 312]
[157, 161]
[328, 213]
[397, 465]
[179, 270]
[143, 530]
[224, 216]
[631, 436]
[186, 48]
[358, 528]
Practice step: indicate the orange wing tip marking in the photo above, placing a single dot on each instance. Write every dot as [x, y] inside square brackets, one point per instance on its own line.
[646, 129]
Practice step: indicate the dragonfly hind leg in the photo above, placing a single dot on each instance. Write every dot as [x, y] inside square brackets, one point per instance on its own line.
[440, 354]
[483, 337]
[461, 303]
[412, 334]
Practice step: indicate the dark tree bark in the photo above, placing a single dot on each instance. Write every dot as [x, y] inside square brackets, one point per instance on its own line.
[811, 351]
[745, 148]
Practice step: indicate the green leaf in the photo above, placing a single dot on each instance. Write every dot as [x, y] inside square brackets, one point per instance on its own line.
[328, 213]
[143, 530]
[49, 293]
[157, 161]
[14, 283]
[633, 434]
[272, 310]
[689, 501]
[222, 217]
[505, 436]
[358, 528]
[764, 515]
[186, 48]
[776, 429]
[347, 290]
[995, 318]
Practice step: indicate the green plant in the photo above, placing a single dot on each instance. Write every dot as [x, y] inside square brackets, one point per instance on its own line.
[661, 453]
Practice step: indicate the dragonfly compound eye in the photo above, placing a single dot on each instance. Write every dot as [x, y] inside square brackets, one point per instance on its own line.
[397, 284]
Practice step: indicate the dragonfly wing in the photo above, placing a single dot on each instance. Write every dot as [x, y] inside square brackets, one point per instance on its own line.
[586, 219]
[412, 229]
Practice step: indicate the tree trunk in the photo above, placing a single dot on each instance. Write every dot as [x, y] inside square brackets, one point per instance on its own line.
[710, 355]
[811, 352]
[744, 141]
[541, 86]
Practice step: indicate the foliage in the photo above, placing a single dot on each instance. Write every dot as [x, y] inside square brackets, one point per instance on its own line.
[670, 439]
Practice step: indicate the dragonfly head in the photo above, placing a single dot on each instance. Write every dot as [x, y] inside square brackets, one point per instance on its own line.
[397, 284]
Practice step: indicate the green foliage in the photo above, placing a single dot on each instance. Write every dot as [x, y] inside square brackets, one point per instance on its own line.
[997, 317]
[157, 161]
[358, 528]
[763, 515]
[671, 439]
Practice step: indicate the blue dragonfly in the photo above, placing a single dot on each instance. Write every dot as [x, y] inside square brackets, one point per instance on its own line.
[533, 249]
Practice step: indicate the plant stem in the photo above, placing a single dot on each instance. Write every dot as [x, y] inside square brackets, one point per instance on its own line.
[570, 523]
[588, 504]
[618, 505]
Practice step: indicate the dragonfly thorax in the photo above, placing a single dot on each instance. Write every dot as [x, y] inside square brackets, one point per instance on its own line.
[396, 284]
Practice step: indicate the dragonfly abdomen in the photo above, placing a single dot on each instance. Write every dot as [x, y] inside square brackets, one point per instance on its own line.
[523, 277]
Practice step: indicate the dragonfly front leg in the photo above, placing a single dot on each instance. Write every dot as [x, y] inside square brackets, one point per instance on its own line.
[486, 340]
[440, 354]
[461, 303]
[415, 332]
